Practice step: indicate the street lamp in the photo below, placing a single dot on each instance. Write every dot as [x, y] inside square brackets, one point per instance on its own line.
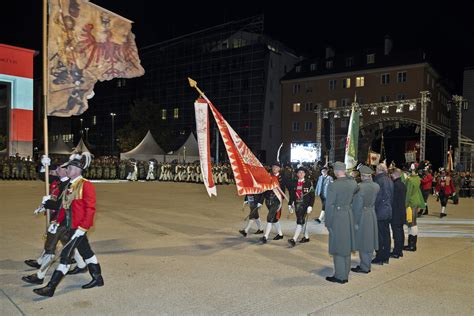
[87, 133]
[113, 131]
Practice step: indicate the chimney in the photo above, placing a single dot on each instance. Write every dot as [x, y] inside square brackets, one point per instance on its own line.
[388, 45]
[329, 52]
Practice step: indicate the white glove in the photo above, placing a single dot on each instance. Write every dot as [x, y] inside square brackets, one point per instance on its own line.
[45, 198]
[246, 202]
[78, 233]
[259, 205]
[52, 228]
[45, 160]
[454, 194]
[40, 209]
[291, 209]
[309, 209]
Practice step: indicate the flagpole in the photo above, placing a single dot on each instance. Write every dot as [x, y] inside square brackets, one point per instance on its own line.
[45, 100]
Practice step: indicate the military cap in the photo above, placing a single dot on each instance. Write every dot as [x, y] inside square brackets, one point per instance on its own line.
[365, 170]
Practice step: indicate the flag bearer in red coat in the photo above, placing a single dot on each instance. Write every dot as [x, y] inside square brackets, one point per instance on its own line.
[77, 215]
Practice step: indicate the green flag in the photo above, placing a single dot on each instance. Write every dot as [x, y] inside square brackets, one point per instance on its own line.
[352, 140]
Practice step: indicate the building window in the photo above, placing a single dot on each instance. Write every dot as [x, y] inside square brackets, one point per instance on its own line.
[370, 58]
[332, 84]
[308, 107]
[176, 113]
[346, 83]
[360, 81]
[312, 67]
[163, 114]
[121, 82]
[349, 61]
[332, 104]
[94, 120]
[401, 96]
[296, 107]
[385, 79]
[329, 64]
[296, 88]
[402, 76]
[298, 69]
[385, 98]
[296, 126]
[345, 102]
[308, 126]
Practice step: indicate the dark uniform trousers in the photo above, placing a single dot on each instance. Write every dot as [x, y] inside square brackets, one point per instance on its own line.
[53, 239]
[82, 245]
[300, 213]
[384, 240]
[398, 238]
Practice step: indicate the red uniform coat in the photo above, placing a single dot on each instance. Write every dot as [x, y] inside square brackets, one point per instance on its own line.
[82, 206]
[427, 182]
[445, 185]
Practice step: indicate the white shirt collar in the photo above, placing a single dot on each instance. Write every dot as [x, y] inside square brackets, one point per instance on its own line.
[64, 179]
[75, 179]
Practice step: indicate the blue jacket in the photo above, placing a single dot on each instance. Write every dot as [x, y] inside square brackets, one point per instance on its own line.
[383, 202]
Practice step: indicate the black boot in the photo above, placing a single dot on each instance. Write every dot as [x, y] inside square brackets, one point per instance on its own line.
[410, 242]
[78, 270]
[413, 246]
[32, 278]
[49, 289]
[97, 280]
[32, 263]
[426, 210]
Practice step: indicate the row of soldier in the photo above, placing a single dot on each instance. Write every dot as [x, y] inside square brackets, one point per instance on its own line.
[359, 210]
[18, 168]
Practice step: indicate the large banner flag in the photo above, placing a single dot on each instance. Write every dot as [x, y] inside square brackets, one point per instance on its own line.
[203, 138]
[450, 165]
[352, 140]
[86, 44]
[249, 174]
[373, 159]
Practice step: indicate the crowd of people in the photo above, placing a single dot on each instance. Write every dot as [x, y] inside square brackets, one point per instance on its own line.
[359, 209]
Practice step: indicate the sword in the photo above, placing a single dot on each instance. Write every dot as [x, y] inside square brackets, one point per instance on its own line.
[42, 269]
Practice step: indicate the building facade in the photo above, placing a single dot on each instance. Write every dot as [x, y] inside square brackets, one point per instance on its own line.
[317, 96]
[235, 64]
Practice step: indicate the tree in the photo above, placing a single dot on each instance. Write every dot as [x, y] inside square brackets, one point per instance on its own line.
[144, 115]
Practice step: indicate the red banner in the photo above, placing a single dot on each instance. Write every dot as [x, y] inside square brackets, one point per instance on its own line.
[250, 176]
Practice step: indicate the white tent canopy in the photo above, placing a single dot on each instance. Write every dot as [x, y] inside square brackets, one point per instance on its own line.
[188, 152]
[81, 147]
[146, 150]
[59, 147]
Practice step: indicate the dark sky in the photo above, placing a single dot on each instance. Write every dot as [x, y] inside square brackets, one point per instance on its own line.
[444, 29]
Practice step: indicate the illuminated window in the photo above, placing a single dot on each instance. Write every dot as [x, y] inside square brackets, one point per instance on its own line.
[402, 76]
[332, 103]
[360, 81]
[176, 113]
[385, 79]
[163, 114]
[371, 58]
[296, 107]
[346, 83]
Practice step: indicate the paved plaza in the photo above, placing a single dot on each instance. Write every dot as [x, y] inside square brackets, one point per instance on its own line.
[167, 249]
